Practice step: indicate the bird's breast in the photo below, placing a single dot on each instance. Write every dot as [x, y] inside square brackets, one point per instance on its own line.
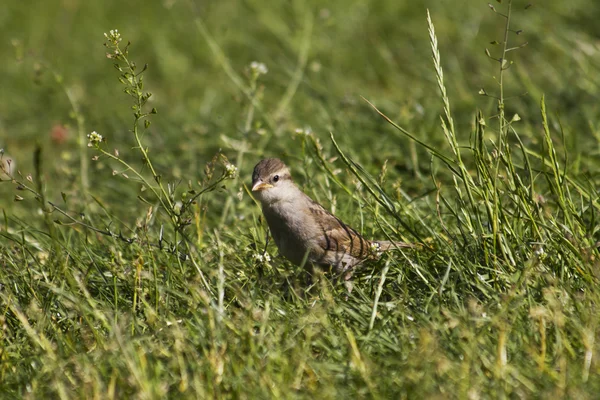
[290, 231]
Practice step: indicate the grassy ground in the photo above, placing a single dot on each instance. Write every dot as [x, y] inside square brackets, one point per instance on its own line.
[133, 266]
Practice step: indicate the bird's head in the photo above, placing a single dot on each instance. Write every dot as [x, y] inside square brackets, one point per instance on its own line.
[272, 181]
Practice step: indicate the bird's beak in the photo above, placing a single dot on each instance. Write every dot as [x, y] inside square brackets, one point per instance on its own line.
[260, 185]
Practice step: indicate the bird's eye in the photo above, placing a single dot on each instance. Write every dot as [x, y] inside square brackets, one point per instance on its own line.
[275, 178]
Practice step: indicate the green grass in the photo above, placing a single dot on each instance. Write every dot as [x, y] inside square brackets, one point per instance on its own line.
[131, 268]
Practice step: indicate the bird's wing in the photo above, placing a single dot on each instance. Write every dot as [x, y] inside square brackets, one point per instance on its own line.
[335, 236]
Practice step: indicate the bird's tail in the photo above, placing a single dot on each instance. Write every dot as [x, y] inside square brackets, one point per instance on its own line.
[385, 245]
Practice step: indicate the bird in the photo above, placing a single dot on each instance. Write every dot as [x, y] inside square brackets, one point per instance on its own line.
[304, 231]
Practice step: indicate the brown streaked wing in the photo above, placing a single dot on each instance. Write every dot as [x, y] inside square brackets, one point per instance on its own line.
[337, 236]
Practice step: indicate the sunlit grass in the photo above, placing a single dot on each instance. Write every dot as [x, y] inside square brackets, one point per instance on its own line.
[132, 255]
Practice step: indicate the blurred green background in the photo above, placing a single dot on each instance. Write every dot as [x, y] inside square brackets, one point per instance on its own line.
[342, 49]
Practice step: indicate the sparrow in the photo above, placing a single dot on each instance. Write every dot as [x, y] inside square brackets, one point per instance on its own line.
[306, 233]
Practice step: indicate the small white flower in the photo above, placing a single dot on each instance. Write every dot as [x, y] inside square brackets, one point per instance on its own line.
[262, 258]
[8, 166]
[258, 68]
[375, 248]
[177, 207]
[306, 131]
[231, 171]
[113, 36]
[538, 251]
[94, 139]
